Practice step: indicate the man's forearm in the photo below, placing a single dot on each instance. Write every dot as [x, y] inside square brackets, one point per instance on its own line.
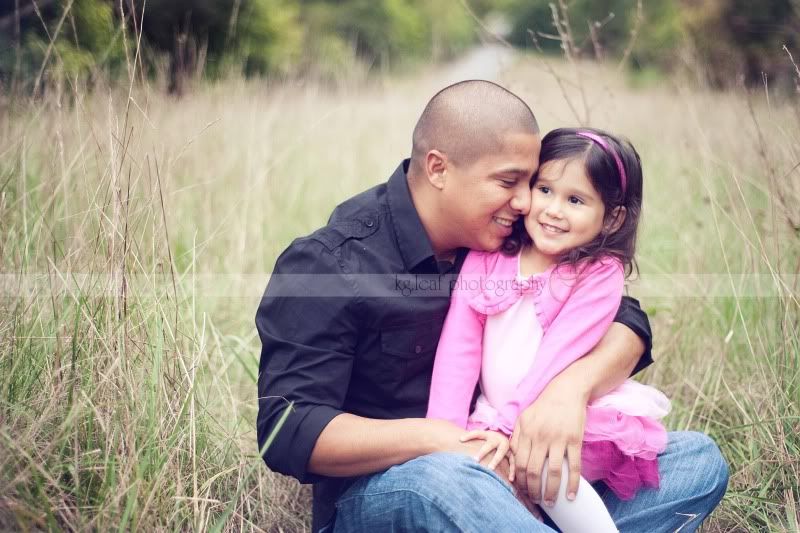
[352, 446]
[607, 365]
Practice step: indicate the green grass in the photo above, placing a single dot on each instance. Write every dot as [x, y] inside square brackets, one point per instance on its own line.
[144, 229]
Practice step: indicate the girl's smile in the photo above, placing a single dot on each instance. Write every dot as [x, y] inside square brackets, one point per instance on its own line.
[552, 229]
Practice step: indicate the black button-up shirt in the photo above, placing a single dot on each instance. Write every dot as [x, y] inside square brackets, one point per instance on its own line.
[349, 323]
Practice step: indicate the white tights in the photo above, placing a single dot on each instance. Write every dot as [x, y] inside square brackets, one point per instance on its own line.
[586, 512]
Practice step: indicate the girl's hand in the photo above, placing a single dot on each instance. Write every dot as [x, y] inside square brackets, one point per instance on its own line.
[494, 442]
[550, 430]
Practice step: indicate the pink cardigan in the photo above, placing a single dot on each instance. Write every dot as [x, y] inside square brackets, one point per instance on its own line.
[575, 308]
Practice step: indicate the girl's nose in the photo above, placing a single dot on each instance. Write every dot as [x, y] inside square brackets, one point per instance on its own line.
[553, 209]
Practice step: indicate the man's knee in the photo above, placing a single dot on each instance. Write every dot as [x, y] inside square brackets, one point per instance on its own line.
[717, 466]
[711, 465]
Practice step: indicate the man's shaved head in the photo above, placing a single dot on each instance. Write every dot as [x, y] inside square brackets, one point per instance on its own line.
[468, 120]
[476, 149]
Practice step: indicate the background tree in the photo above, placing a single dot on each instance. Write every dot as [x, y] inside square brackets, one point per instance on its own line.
[724, 40]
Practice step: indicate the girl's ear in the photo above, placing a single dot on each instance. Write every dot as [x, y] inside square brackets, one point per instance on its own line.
[615, 219]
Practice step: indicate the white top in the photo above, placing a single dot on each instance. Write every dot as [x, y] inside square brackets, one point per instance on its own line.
[510, 342]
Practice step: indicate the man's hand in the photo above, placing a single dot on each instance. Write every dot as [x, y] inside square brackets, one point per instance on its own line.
[550, 430]
[340, 448]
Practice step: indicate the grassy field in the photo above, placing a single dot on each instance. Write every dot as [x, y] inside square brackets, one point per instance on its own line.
[137, 232]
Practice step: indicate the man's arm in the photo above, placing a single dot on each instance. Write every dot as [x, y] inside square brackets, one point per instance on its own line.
[607, 366]
[554, 422]
[352, 445]
[308, 336]
[631, 315]
[308, 347]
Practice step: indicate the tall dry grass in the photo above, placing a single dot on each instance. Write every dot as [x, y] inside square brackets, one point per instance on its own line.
[137, 233]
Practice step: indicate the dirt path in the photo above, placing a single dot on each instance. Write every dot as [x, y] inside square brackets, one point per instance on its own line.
[486, 62]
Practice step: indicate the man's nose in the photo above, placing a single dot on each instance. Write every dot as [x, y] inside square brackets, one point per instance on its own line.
[521, 201]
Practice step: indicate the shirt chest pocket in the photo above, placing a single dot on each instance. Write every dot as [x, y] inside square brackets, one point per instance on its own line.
[409, 342]
[406, 353]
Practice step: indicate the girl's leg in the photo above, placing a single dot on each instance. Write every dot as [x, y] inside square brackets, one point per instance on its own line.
[586, 512]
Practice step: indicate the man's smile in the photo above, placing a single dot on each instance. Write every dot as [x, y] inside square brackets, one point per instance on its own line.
[506, 222]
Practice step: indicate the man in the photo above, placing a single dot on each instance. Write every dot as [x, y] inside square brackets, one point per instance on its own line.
[354, 361]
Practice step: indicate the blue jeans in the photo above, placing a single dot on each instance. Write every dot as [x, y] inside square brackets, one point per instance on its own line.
[451, 492]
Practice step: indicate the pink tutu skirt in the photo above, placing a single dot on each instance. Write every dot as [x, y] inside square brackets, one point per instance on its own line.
[622, 438]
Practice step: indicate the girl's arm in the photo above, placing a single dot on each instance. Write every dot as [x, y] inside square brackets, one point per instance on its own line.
[458, 357]
[580, 324]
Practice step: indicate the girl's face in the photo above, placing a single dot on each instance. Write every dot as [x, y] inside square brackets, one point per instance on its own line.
[566, 210]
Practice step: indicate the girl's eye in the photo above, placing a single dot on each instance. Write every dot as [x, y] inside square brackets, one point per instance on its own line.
[544, 189]
[575, 200]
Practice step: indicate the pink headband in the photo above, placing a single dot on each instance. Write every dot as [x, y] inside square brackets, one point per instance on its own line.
[609, 150]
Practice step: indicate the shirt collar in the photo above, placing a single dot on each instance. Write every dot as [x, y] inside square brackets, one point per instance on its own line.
[412, 239]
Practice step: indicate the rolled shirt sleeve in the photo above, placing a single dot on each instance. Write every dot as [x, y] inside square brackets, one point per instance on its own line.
[308, 344]
[630, 314]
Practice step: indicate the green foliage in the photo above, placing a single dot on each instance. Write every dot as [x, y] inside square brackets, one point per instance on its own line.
[216, 36]
[537, 16]
[450, 29]
[381, 32]
[659, 37]
[726, 40]
[269, 36]
[88, 39]
[327, 51]
[737, 38]
[257, 35]
[95, 28]
[383, 29]
[660, 29]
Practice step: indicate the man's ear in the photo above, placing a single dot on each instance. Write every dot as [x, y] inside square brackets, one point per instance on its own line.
[436, 168]
[615, 219]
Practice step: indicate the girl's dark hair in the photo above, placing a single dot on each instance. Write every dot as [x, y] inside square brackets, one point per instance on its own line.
[601, 168]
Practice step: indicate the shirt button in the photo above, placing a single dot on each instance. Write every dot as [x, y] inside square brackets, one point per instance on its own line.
[369, 223]
[418, 349]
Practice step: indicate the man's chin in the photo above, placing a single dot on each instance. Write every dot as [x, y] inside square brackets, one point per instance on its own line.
[492, 245]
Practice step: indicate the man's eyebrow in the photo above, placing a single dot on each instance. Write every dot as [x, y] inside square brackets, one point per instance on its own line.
[517, 172]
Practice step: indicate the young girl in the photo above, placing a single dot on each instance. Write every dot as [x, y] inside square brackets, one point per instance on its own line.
[520, 316]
